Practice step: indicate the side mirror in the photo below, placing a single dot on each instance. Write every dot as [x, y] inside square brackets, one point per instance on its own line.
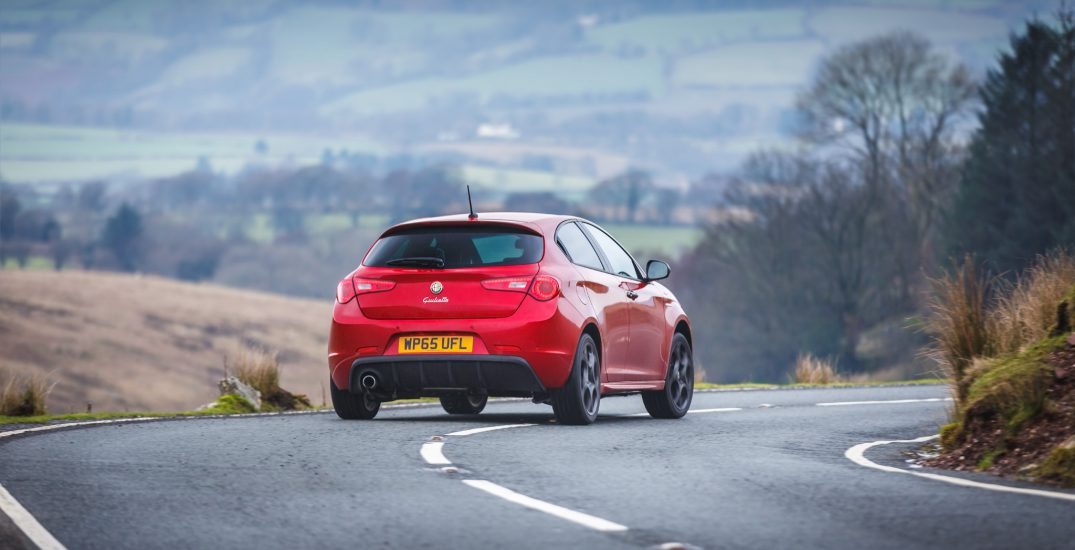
[657, 270]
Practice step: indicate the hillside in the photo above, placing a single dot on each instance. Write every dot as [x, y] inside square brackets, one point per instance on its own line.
[682, 87]
[125, 342]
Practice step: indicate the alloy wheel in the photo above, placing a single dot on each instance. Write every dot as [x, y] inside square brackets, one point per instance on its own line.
[681, 376]
[591, 384]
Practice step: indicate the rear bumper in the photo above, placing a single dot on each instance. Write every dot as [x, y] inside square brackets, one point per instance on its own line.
[405, 376]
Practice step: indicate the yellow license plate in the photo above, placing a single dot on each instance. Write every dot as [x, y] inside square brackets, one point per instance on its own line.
[436, 344]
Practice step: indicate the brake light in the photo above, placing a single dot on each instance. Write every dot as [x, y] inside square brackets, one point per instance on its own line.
[345, 291]
[369, 286]
[513, 284]
[544, 287]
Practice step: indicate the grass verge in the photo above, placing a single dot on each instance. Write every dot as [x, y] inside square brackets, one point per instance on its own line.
[1010, 349]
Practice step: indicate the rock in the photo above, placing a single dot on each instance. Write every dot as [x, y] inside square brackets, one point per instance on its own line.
[233, 385]
[1071, 339]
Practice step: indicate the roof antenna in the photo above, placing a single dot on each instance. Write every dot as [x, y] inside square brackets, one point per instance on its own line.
[472, 215]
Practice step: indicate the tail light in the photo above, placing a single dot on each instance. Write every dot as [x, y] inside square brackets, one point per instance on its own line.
[514, 284]
[544, 287]
[369, 286]
[345, 291]
[349, 288]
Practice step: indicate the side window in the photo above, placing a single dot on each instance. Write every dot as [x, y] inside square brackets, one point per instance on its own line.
[621, 261]
[578, 247]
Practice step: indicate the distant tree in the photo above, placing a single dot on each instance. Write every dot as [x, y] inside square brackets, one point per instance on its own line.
[428, 192]
[37, 226]
[667, 201]
[893, 103]
[9, 212]
[626, 191]
[260, 147]
[91, 196]
[1017, 195]
[122, 236]
[60, 250]
[288, 221]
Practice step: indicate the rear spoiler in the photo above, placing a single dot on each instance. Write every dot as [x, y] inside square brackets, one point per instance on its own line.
[479, 224]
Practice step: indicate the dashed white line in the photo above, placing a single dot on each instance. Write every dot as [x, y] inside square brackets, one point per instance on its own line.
[27, 523]
[586, 520]
[433, 453]
[692, 411]
[473, 431]
[856, 454]
[888, 402]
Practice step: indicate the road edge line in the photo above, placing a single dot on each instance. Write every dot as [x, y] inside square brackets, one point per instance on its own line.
[857, 455]
[883, 402]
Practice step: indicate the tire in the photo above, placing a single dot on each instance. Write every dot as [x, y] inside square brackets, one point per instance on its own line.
[675, 399]
[578, 401]
[463, 403]
[353, 406]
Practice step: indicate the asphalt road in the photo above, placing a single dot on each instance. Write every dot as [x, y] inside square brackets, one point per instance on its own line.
[770, 475]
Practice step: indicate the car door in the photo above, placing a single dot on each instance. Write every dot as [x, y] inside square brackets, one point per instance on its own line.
[646, 318]
[603, 293]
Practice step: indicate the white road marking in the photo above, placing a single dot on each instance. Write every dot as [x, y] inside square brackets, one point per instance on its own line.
[27, 523]
[49, 427]
[432, 453]
[889, 402]
[586, 520]
[473, 431]
[856, 454]
[725, 409]
[692, 411]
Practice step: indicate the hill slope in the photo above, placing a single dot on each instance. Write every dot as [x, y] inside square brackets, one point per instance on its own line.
[126, 342]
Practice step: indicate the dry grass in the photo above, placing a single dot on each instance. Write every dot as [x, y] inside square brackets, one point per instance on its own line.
[814, 370]
[23, 395]
[258, 368]
[973, 317]
[957, 321]
[1024, 312]
[131, 343]
[995, 340]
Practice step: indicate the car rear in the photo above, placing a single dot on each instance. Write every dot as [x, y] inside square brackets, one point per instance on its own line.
[443, 309]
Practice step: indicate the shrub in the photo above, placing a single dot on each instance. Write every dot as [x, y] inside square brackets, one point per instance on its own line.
[814, 370]
[957, 321]
[995, 339]
[23, 395]
[259, 369]
[1026, 311]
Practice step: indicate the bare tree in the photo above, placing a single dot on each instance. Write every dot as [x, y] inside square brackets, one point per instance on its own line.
[893, 102]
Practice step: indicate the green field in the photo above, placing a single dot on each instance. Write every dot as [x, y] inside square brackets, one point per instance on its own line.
[34, 152]
[574, 75]
[645, 240]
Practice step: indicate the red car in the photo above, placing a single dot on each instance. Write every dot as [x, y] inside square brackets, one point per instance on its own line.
[507, 304]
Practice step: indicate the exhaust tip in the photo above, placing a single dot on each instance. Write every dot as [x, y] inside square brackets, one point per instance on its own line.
[369, 381]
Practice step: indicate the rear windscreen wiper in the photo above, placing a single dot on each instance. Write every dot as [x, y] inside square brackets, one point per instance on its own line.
[417, 261]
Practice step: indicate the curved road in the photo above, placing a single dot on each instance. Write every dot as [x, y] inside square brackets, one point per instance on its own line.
[771, 474]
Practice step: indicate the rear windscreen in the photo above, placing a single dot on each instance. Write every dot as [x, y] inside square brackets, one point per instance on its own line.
[456, 247]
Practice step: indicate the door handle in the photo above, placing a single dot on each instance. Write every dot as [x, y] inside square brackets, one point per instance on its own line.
[631, 294]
